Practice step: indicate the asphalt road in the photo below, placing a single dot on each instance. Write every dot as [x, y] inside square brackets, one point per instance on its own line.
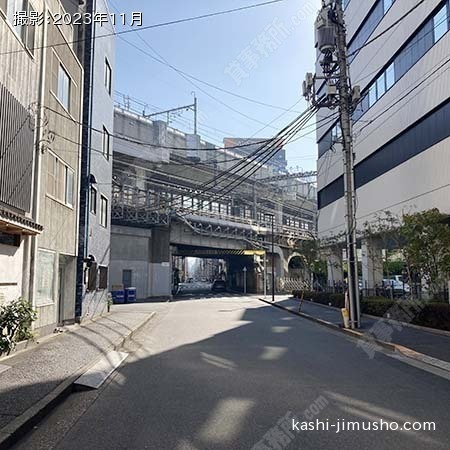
[229, 373]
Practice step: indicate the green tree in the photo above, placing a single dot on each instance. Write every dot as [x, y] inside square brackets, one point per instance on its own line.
[311, 258]
[426, 247]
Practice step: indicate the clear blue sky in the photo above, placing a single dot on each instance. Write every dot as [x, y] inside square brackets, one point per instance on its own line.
[272, 47]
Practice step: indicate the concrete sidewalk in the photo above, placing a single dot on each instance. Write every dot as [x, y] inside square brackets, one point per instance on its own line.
[425, 341]
[32, 380]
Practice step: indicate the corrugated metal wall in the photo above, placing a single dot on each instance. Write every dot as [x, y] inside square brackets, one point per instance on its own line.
[16, 152]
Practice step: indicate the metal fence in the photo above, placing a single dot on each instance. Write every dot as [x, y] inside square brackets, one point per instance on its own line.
[287, 285]
[407, 291]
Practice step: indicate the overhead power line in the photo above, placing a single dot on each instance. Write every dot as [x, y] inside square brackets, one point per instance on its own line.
[188, 78]
[258, 157]
[266, 153]
[146, 144]
[153, 26]
[164, 62]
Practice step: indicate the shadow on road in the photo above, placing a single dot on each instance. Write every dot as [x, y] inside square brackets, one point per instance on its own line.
[229, 390]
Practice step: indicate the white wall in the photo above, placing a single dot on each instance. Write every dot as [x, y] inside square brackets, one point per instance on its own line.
[11, 260]
[416, 184]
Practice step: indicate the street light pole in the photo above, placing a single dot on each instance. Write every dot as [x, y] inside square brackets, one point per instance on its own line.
[265, 274]
[245, 280]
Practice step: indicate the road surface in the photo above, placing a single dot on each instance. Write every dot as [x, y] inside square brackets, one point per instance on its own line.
[232, 373]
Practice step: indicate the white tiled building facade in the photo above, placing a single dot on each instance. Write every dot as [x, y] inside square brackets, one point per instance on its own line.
[402, 124]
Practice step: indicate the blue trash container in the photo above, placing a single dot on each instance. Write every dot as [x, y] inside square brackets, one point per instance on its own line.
[118, 297]
[130, 295]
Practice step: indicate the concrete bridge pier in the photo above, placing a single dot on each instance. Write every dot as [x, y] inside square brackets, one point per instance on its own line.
[141, 258]
[236, 274]
[335, 270]
[372, 263]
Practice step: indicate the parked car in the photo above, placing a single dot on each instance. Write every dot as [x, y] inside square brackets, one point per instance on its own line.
[399, 279]
[219, 286]
[396, 284]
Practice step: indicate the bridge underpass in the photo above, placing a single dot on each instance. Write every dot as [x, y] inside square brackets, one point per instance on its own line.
[160, 207]
[143, 257]
[238, 264]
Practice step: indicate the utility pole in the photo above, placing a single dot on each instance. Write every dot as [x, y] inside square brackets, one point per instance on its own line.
[273, 259]
[332, 43]
[346, 105]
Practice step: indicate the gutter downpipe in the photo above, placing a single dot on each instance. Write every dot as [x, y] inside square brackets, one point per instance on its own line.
[37, 164]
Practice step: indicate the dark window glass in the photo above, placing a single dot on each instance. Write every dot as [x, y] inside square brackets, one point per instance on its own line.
[10, 239]
[325, 143]
[92, 277]
[370, 24]
[103, 277]
[423, 135]
[93, 202]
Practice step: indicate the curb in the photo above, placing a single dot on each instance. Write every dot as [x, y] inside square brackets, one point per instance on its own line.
[25, 346]
[385, 319]
[395, 348]
[411, 325]
[23, 423]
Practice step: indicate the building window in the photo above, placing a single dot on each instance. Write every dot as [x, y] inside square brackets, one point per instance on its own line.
[440, 23]
[45, 278]
[379, 10]
[390, 76]
[92, 272]
[103, 278]
[25, 32]
[10, 239]
[372, 94]
[103, 211]
[418, 45]
[69, 186]
[63, 92]
[387, 5]
[93, 201]
[60, 180]
[108, 77]
[187, 202]
[106, 143]
[29, 31]
[381, 85]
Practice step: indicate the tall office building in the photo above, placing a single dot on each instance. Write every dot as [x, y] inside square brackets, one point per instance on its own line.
[401, 126]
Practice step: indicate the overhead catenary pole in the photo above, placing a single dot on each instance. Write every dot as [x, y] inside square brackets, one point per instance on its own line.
[345, 107]
[195, 113]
